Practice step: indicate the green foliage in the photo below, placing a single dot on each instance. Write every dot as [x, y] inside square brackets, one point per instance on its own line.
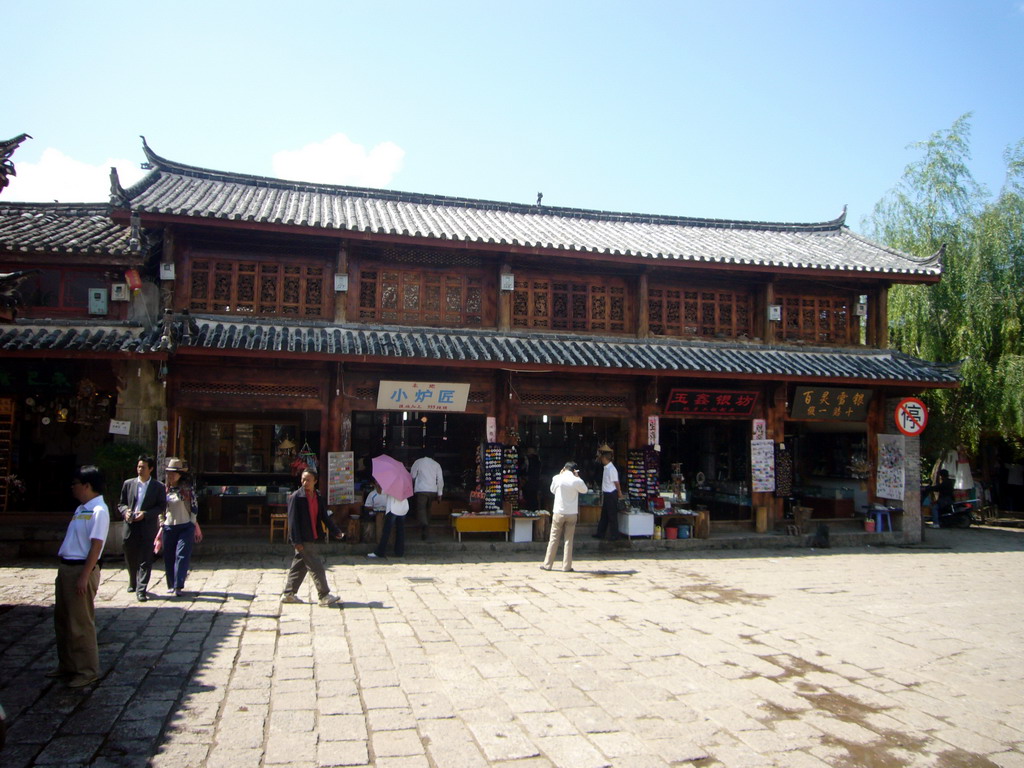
[976, 313]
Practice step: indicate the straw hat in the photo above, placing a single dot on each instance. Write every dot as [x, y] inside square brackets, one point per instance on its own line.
[605, 448]
[176, 465]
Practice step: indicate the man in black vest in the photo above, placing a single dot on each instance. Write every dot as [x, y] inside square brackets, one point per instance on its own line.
[143, 500]
[307, 514]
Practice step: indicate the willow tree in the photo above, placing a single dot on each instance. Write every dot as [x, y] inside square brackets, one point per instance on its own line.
[974, 315]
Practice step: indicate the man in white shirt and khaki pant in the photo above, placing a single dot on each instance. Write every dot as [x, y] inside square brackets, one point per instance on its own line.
[78, 578]
[566, 486]
[428, 485]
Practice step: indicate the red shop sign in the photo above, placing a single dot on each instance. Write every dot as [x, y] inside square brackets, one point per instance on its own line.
[711, 402]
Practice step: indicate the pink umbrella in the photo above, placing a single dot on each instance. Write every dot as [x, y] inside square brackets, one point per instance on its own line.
[392, 476]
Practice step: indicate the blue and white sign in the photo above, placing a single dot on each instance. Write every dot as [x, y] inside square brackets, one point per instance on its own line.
[421, 396]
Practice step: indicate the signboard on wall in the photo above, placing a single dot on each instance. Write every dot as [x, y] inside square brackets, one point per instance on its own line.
[762, 465]
[831, 403]
[422, 396]
[341, 478]
[654, 432]
[710, 402]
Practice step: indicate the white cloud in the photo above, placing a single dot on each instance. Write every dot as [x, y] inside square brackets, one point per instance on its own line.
[339, 160]
[59, 177]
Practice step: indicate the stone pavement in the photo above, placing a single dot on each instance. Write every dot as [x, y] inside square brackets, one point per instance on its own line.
[869, 656]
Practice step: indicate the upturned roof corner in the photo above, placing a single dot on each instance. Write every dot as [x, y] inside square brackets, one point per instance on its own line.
[118, 198]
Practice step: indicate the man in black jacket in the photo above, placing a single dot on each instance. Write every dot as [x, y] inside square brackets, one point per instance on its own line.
[143, 500]
[306, 513]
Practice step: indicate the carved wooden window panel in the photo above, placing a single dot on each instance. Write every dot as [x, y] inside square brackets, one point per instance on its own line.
[815, 319]
[418, 297]
[704, 313]
[570, 305]
[257, 288]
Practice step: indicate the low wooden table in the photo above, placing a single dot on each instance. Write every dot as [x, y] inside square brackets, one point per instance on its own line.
[480, 524]
[698, 520]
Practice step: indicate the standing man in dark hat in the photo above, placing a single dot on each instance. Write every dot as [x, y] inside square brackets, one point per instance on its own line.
[611, 492]
[143, 500]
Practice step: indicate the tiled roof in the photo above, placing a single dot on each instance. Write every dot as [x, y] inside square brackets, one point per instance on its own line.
[492, 349]
[181, 190]
[76, 336]
[61, 228]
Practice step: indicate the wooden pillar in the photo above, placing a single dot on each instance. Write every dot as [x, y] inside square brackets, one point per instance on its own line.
[643, 325]
[506, 409]
[881, 314]
[763, 327]
[504, 301]
[341, 308]
[338, 438]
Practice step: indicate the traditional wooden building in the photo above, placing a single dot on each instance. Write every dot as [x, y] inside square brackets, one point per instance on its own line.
[79, 307]
[334, 317]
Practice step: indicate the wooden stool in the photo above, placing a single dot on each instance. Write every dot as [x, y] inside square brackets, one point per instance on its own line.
[254, 514]
[279, 522]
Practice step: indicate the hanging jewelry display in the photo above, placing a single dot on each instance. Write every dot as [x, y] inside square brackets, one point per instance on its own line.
[444, 434]
[384, 430]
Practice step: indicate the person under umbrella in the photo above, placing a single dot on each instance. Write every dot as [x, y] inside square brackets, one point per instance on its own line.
[396, 486]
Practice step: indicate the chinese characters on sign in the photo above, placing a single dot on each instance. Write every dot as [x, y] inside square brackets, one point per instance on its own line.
[762, 465]
[421, 396]
[710, 402]
[891, 467]
[654, 432]
[341, 486]
[911, 416]
[831, 403]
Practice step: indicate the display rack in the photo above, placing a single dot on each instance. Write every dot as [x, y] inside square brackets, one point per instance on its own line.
[501, 477]
[642, 466]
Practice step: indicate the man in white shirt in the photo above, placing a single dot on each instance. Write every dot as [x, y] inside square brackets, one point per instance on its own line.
[428, 485]
[78, 578]
[567, 486]
[611, 492]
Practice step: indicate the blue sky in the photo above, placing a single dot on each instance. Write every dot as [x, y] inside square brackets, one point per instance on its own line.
[773, 110]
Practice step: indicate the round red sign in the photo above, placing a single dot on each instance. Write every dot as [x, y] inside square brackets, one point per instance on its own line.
[911, 416]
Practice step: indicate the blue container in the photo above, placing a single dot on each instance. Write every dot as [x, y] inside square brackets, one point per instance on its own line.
[684, 532]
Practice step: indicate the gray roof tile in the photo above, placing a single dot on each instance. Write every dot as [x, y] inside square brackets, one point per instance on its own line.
[61, 228]
[490, 348]
[181, 190]
[76, 336]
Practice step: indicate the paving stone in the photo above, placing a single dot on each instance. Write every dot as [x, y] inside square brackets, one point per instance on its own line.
[640, 658]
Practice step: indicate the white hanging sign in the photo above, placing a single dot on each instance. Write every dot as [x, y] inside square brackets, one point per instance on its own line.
[422, 396]
[120, 427]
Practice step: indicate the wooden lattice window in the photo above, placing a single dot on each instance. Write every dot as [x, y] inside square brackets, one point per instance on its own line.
[698, 312]
[570, 305]
[258, 288]
[816, 319]
[420, 297]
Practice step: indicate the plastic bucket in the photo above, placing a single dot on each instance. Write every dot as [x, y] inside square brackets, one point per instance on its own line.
[684, 532]
[869, 525]
[671, 533]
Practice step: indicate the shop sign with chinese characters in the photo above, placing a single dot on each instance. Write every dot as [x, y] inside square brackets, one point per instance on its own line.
[421, 396]
[710, 402]
[831, 403]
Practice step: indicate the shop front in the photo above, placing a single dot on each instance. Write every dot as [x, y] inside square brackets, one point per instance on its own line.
[408, 413]
[704, 433]
[54, 416]
[829, 436]
[245, 431]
